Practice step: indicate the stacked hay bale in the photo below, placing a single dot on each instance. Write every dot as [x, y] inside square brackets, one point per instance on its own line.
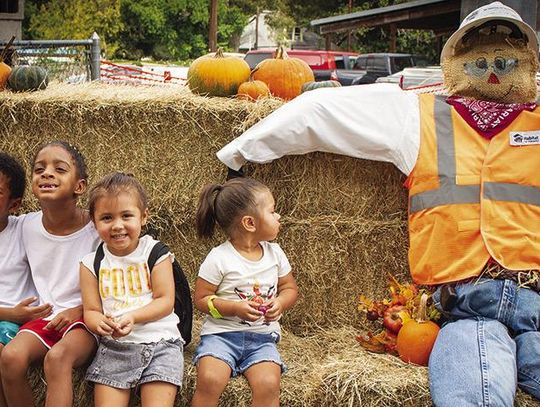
[344, 224]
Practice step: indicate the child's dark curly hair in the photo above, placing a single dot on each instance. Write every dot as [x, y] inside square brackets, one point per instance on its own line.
[15, 174]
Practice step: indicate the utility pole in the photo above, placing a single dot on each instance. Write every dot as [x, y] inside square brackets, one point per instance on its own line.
[256, 45]
[212, 26]
[349, 32]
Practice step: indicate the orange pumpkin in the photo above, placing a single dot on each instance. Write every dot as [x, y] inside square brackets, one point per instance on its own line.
[284, 76]
[5, 71]
[253, 90]
[416, 338]
[217, 75]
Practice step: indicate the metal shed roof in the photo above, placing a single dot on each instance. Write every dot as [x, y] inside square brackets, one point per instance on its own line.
[438, 15]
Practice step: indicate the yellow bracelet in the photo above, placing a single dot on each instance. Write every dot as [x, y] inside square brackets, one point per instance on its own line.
[212, 309]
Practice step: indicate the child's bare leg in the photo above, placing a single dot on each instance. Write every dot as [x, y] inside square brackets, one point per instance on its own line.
[158, 394]
[264, 379]
[212, 378]
[15, 360]
[3, 402]
[73, 350]
[110, 396]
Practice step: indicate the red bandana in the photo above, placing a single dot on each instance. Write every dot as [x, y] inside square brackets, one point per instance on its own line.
[488, 118]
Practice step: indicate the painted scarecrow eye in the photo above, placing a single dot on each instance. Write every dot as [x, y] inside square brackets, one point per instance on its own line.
[481, 63]
[502, 66]
[476, 68]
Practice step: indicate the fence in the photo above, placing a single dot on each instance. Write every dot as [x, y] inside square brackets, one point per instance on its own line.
[65, 60]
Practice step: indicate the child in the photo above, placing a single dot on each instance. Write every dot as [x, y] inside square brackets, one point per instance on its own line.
[55, 238]
[128, 305]
[245, 284]
[17, 287]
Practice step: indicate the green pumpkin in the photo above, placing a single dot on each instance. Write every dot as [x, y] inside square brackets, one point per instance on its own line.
[323, 84]
[28, 77]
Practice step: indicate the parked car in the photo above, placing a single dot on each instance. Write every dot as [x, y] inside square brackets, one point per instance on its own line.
[324, 64]
[369, 67]
[414, 77]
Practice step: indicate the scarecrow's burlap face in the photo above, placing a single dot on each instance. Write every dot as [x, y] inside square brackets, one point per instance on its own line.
[492, 68]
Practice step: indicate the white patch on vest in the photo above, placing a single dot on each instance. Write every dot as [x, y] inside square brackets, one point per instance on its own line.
[524, 138]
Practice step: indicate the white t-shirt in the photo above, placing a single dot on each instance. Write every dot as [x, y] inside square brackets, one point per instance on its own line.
[16, 281]
[125, 285]
[376, 122]
[240, 279]
[54, 261]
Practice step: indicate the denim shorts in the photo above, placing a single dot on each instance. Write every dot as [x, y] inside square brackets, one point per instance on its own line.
[8, 330]
[240, 350]
[125, 365]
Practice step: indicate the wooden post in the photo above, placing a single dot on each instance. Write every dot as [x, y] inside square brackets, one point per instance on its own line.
[393, 38]
[212, 27]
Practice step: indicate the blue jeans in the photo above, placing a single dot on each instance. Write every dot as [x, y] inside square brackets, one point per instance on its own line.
[490, 346]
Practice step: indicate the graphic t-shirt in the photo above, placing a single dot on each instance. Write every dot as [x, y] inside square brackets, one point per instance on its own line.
[240, 279]
[125, 285]
[15, 279]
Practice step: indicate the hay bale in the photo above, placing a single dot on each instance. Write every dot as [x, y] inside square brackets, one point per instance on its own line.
[344, 225]
[340, 236]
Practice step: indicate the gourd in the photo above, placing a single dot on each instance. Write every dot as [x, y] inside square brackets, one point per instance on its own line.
[5, 69]
[28, 78]
[217, 75]
[253, 90]
[322, 84]
[284, 76]
[416, 338]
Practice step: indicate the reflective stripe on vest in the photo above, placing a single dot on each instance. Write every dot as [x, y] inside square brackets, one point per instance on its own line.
[449, 193]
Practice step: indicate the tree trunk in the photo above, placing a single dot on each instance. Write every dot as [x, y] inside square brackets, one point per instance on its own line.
[212, 26]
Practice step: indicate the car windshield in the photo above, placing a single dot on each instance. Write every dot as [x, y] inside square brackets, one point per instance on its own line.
[400, 63]
[253, 59]
[420, 61]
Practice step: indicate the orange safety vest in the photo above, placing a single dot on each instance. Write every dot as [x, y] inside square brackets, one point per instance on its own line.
[471, 198]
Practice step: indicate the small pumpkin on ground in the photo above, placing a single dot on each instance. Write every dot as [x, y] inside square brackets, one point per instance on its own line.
[217, 75]
[28, 78]
[416, 338]
[284, 76]
[322, 84]
[253, 90]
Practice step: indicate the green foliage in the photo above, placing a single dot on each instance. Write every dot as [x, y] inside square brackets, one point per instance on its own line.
[178, 29]
[75, 19]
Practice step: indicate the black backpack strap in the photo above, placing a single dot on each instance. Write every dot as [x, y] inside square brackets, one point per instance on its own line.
[158, 250]
[100, 254]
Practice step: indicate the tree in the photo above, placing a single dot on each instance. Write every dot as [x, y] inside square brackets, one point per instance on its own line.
[75, 19]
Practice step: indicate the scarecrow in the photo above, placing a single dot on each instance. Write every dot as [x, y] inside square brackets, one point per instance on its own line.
[472, 160]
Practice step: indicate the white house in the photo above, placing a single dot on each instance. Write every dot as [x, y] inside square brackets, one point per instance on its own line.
[11, 16]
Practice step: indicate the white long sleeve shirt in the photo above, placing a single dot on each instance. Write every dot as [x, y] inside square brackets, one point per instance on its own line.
[377, 122]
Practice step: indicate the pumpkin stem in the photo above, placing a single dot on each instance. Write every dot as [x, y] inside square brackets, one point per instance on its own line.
[281, 53]
[219, 53]
[422, 309]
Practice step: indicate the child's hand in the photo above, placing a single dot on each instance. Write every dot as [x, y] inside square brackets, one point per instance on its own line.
[65, 318]
[274, 309]
[106, 326]
[124, 325]
[248, 310]
[24, 312]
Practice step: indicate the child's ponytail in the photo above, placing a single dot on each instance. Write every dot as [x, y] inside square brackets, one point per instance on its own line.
[224, 204]
[206, 216]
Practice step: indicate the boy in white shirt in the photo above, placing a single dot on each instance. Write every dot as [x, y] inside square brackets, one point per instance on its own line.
[17, 291]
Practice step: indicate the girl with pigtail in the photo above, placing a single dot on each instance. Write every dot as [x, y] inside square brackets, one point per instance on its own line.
[244, 285]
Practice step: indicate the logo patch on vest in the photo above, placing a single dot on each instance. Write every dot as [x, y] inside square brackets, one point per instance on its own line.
[524, 138]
